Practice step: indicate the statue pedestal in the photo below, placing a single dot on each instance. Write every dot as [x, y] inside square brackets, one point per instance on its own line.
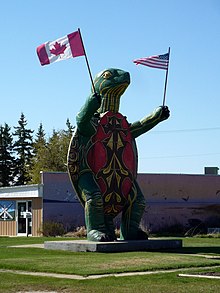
[115, 246]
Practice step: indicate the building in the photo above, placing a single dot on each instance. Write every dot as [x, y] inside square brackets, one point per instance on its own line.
[23, 209]
[20, 206]
[190, 202]
[172, 200]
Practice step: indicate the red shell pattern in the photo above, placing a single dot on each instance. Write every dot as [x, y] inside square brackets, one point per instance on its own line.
[112, 159]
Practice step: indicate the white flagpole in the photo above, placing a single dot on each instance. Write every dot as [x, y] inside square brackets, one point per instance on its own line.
[165, 86]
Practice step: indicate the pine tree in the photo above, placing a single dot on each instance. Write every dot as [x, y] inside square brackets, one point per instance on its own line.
[23, 147]
[70, 127]
[57, 157]
[52, 155]
[7, 160]
[57, 148]
[40, 140]
[40, 158]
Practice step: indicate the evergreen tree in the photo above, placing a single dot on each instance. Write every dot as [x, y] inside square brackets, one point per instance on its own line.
[57, 148]
[70, 127]
[39, 161]
[52, 155]
[23, 147]
[40, 140]
[7, 161]
[56, 160]
[55, 155]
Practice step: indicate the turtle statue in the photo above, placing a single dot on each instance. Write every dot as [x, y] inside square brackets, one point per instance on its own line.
[102, 160]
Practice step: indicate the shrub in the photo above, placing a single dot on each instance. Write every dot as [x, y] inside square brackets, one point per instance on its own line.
[79, 232]
[52, 229]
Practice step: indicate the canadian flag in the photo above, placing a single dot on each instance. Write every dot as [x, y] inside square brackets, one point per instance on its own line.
[66, 47]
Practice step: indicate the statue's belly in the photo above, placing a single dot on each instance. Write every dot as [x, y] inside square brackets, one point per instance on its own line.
[112, 159]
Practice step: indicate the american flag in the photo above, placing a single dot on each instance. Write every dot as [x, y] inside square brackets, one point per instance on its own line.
[158, 61]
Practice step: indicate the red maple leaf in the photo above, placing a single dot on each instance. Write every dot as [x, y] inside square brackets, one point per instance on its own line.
[58, 49]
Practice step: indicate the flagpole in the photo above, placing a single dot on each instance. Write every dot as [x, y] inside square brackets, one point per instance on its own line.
[87, 62]
[165, 85]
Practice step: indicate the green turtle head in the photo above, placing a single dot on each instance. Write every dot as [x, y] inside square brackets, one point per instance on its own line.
[111, 84]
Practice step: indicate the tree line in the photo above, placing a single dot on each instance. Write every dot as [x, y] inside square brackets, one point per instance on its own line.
[23, 155]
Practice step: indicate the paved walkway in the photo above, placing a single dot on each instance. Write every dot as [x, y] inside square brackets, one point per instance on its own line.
[78, 277]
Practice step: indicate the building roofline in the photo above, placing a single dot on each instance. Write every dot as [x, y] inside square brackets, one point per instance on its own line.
[180, 174]
[27, 186]
[21, 191]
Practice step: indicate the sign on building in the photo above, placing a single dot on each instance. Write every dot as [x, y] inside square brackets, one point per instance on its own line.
[7, 210]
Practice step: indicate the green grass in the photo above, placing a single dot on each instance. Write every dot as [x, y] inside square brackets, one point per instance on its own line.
[40, 260]
[9, 241]
[95, 263]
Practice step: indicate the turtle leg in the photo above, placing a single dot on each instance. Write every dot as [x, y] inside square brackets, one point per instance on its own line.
[110, 227]
[94, 212]
[131, 216]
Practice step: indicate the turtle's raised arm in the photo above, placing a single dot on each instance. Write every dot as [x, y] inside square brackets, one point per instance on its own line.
[84, 116]
[147, 123]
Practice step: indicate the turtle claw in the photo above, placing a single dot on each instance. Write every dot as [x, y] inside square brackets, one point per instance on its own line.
[95, 235]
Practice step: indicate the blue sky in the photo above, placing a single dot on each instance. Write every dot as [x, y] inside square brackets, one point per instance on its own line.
[115, 33]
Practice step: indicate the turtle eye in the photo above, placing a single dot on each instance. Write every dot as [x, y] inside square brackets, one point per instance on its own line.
[107, 74]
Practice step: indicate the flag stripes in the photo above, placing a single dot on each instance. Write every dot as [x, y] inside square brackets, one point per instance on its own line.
[158, 61]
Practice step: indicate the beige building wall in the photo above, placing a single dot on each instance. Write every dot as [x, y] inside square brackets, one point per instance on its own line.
[8, 228]
[37, 216]
[26, 193]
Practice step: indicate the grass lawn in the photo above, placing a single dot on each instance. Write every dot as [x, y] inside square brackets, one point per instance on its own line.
[85, 264]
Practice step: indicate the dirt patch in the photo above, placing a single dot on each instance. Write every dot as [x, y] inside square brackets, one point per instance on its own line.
[209, 274]
[36, 292]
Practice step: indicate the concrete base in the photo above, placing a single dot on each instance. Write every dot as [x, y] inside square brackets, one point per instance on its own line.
[116, 246]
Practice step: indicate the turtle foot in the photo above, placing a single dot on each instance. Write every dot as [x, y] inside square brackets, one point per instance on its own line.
[95, 235]
[138, 235]
[142, 235]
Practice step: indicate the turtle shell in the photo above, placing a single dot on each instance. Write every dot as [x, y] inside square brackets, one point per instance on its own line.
[113, 160]
[73, 157]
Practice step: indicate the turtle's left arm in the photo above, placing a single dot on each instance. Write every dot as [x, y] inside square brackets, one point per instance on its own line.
[145, 124]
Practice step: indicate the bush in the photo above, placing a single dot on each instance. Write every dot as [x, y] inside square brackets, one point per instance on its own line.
[52, 229]
[79, 232]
